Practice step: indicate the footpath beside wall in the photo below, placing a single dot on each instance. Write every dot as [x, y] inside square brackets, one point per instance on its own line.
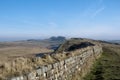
[66, 69]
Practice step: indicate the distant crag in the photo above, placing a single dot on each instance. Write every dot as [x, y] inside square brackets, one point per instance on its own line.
[59, 38]
[56, 41]
[73, 44]
[52, 42]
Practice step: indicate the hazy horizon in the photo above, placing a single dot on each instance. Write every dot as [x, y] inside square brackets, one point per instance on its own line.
[42, 38]
[38, 19]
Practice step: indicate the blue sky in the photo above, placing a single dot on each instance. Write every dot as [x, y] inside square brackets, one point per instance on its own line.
[23, 19]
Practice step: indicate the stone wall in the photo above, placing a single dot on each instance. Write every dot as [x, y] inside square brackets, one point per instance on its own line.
[66, 69]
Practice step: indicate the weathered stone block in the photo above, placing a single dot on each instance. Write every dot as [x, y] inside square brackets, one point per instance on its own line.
[39, 71]
[31, 76]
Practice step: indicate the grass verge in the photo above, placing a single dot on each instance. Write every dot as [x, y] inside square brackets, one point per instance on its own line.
[107, 67]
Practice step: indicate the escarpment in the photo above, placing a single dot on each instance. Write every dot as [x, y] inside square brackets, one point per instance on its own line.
[71, 61]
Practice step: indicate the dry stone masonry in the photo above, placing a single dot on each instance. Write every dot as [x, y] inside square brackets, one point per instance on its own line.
[67, 68]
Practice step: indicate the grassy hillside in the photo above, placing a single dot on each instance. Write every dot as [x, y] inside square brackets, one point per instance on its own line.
[108, 66]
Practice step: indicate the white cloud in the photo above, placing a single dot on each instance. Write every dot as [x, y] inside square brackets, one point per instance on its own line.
[93, 9]
[98, 11]
[52, 24]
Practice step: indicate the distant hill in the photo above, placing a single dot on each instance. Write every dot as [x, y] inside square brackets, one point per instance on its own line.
[52, 42]
[55, 41]
[114, 41]
[59, 38]
[53, 38]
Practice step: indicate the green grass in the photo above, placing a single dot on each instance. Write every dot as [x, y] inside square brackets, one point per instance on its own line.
[107, 67]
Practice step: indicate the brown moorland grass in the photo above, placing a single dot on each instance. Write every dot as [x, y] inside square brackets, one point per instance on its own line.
[7, 54]
[11, 50]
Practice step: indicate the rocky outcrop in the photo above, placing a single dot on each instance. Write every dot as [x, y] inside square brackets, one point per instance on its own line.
[79, 58]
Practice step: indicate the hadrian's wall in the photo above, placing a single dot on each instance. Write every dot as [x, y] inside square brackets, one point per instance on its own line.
[66, 69]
